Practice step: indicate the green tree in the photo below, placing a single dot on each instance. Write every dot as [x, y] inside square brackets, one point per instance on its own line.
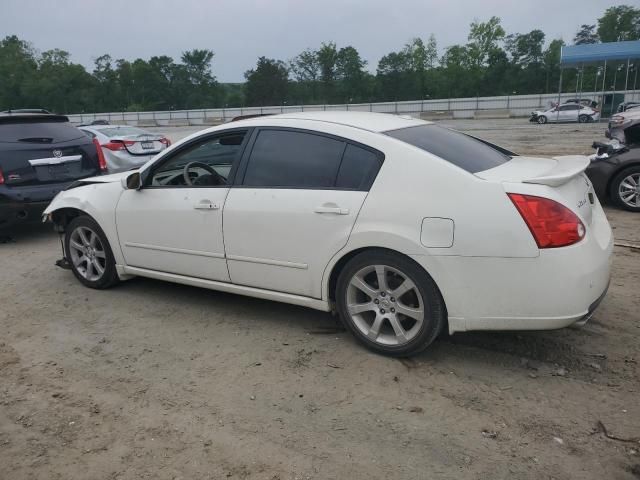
[306, 69]
[107, 82]
[551, 62]
[268, 83]
[586, 34]
[351, 75]
[61, 85]
[393, 76]
[328, 58]
[18, 71]
[619, 23]
[483, 39]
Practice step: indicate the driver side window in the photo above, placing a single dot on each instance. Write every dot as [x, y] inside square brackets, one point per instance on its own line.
[205, 163]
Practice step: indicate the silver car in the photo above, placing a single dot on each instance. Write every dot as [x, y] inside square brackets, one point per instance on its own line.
[568, 112]
[125, 147]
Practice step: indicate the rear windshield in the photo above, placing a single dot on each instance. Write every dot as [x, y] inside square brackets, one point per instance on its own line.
[121, 131]
[462, 150]
[38, 132]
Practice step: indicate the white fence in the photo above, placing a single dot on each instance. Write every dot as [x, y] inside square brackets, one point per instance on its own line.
[515, 106]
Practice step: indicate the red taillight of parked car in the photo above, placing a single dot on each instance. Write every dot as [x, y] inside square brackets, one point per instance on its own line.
[1, 177]
[102, 162]
[116, 145]
[551, 223]
[165, 141]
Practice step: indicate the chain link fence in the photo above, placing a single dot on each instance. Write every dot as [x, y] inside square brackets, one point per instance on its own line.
[475, 107]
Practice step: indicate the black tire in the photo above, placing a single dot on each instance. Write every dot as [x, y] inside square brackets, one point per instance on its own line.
[109, 276]
[615, 188]
[583, 118]
[541, 119]
[434, 311]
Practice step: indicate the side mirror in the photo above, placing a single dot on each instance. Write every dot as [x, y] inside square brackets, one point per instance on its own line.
[132, 181]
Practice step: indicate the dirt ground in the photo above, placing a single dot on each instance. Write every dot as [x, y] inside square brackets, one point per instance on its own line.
[162, 381]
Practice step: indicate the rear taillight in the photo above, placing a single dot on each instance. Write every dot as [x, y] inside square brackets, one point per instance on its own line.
[1, 177]
[165, 141]
[551, 223]
[102, 163]
[116, 145]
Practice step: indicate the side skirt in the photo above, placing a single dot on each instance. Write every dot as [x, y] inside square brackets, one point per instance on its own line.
[126, 272]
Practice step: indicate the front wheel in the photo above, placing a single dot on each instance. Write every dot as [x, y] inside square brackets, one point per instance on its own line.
[625, 189]
[89, 253]
[389, 303]
[584, 118]
[542, 119]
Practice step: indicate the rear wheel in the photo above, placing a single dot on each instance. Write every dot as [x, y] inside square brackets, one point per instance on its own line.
[389, 303]
[625, 189]
[89, 253]
[542, 119]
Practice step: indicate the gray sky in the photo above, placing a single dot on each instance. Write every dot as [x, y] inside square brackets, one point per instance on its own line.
[239, 31]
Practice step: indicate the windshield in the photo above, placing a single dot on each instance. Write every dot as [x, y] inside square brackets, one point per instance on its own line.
[462, 150]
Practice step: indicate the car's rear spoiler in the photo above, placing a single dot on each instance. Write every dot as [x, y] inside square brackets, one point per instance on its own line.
[553, 172]
[567, 167]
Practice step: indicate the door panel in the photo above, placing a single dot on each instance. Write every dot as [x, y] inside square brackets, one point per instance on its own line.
[282, 239]
[175, 230]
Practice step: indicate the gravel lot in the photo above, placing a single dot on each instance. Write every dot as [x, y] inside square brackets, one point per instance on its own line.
[162, 381]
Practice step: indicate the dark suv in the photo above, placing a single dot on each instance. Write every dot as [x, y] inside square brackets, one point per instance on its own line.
[40, 154]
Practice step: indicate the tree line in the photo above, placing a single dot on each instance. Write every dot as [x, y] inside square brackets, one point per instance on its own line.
[492, 62]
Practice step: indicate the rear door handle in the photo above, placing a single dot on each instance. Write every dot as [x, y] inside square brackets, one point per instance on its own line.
[334, 210]
[206, 205]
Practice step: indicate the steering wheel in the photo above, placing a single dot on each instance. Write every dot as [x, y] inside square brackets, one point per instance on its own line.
[219, 179]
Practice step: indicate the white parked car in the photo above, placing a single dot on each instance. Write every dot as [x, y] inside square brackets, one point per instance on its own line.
[568, 112]
[404, 227]
[124, 147]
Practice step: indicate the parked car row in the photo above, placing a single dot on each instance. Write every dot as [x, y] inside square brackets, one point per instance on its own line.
[41, 154]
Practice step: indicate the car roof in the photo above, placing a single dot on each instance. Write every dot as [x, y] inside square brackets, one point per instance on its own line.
[373, 122]
[21, 117]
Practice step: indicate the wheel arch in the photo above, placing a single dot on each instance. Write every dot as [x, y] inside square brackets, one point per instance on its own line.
[342, 261]
[61, 217]
[339, 265]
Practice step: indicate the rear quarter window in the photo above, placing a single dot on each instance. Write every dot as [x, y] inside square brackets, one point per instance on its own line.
[457, 148]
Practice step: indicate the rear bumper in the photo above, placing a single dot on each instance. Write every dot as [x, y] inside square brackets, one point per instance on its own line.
[121, 161]
[557, 289]
[25, 204]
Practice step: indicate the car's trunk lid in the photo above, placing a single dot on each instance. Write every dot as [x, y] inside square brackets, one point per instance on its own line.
[140, 144]
[564, 174]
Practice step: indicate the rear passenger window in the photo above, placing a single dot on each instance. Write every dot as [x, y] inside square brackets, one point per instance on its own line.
[358, 169]
[281, 158]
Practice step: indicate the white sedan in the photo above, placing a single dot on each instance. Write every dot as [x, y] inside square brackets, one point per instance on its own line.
[568, 112]
[403, 227]
[123, 147]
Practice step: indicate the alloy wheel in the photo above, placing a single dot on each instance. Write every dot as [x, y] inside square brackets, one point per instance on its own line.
[629, 190]
[385, 305]
[87, 253]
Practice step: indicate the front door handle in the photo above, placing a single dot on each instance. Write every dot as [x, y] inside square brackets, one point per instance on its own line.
[206, 205]
[334, 210]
